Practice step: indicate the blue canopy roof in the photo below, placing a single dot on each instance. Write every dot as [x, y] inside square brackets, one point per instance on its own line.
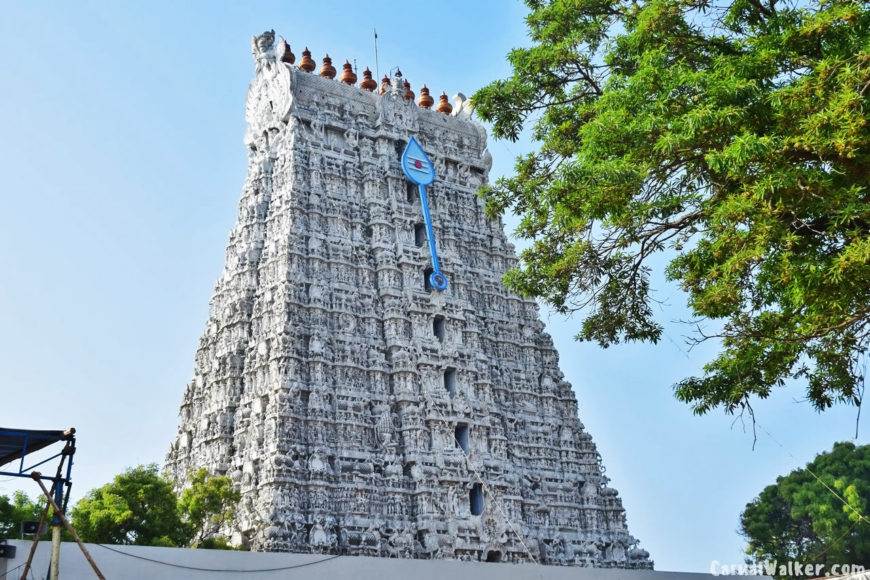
[16, 443]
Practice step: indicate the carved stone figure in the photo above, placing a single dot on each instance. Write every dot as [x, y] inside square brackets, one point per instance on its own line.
[263, 44]
[401, 544]
[356, 410]
[320, 538]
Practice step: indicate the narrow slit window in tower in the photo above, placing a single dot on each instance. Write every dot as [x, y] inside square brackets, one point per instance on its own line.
[411, 190]
[420, 235]
[427, 286]
[475, 498]
[450, 381]
[438, 327]
[461, 436]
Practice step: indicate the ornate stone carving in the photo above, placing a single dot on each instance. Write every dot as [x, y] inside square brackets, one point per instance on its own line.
[263, 46]
[319, 383]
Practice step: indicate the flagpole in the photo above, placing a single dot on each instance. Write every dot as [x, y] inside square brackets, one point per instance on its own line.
[377, 68]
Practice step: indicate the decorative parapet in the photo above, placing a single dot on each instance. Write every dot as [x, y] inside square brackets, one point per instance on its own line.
[269, 55]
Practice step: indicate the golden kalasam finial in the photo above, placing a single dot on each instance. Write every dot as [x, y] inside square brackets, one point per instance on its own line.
[348, 77]
[286, 54]
[385, 85]
[444, 105]
[368, 83]
[425, 101]
[327, 70]
[307, 63]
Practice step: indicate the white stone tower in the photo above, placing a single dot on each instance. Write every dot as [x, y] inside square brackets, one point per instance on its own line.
[358, 410]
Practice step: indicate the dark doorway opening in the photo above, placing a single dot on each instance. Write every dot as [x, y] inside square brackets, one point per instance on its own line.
[476, 499]
[420, 235]
[438, 327]
[450, 381]
[460, 434]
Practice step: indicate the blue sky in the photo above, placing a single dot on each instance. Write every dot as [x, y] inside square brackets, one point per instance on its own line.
[121, 163]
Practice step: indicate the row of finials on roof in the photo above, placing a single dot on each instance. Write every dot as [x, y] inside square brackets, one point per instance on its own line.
[367, 83]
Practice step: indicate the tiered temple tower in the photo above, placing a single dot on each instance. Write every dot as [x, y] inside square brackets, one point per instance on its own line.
[359, 410]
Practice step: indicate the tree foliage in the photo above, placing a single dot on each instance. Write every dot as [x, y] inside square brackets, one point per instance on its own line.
[208, 506]
[731, 138]
[800, 519]
[13, 512]
[140, 507]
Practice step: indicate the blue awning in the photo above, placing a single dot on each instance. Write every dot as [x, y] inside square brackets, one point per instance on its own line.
[16, 443]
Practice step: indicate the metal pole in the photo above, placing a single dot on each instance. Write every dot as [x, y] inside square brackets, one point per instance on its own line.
[55, 485]
[36, 477]
[55, 525]
[35, 542]
[377, 67]
[69, 450]
[55, 552]
[437, 279]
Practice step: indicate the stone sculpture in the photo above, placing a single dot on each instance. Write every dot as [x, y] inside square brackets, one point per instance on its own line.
[356, 411]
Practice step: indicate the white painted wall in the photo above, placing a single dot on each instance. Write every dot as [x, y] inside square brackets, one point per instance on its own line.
[231, 565]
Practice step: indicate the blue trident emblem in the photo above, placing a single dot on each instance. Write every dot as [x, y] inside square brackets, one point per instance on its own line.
[420, 171]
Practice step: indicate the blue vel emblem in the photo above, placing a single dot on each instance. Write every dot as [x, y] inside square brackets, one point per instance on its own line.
[420, 171]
